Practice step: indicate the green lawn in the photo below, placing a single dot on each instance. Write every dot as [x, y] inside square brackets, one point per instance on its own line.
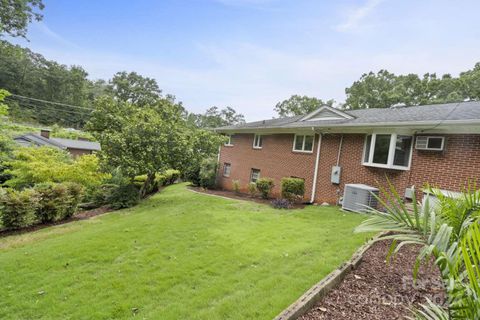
[177, 255]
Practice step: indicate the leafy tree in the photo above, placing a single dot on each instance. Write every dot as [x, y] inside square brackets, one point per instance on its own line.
[215, 117]
[139, 140]
[134, 88]
[15, 15]
[470, 83]
[5, 142]
[299, 105]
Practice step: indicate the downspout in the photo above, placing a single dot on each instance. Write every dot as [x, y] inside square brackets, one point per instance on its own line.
[339, 150]
[315, 174]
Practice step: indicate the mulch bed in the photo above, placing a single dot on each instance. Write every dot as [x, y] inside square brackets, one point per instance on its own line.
[83, 215]
[376, 290]
[241, 196]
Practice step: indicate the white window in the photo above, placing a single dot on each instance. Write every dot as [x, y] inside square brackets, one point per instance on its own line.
[254, 175]
[227, 167]
[303, 143]
[391, 151]
[257, 141]
[229, 142]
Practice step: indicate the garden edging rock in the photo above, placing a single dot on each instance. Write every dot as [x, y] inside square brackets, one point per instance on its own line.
[320, 289]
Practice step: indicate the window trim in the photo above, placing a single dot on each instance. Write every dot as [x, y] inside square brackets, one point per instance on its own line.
[229, 166]
[260, 137]
[229, 142]
[428, 140]
[391, 151]
[303, 143]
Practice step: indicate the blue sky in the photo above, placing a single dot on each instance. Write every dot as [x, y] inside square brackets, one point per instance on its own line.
[250, 54]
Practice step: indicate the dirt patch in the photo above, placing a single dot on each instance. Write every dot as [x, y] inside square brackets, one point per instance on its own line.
[376, 290]
[82, 215]
[242, 196]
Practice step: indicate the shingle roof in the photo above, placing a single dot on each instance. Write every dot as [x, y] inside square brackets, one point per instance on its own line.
[438, 113]
[38, 140]
[78, 144]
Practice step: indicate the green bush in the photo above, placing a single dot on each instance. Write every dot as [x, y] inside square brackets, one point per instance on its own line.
[160, 180]
[252, 189]
[236, 186]
[293, 189]
[18, 208]
[75, 192]
[122, 196]
[208, 173]
[265, 186]
[171, 176]
[57, 201]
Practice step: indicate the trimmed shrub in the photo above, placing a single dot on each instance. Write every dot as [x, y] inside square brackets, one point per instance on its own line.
[171, 176]
[236, 186]
[293, 189]
[281, 204]
[75, 192]
[208, 173]
[160, 180]
[265, 186]
[252, 189]
[18, 208]
[122, 196]
[57, 201]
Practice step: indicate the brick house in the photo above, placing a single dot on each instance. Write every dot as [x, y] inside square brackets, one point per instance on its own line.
[328, 148]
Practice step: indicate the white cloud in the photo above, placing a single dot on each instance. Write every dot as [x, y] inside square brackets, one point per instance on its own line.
[358, 15]
[49, 33]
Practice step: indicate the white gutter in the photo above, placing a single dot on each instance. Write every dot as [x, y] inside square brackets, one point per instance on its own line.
[314, 186]
[339, 150]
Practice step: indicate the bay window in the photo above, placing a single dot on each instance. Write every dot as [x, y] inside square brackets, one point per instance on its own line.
[391, 151]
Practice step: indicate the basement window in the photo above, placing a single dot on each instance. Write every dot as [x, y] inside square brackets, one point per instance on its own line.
[391, 151]
[303, 143]
[254, 175]
[257, 141]
[227, 167]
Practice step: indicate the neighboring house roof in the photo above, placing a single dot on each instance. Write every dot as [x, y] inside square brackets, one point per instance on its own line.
[78, 144]
[451, 114]
[30, 139]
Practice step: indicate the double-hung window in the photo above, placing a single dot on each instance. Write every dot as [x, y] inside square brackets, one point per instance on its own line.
[391, 151]
[303, 143]
[227, 167]
[257, 141]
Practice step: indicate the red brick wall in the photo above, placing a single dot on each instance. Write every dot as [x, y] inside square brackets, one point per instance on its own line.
[449, 169]
[275, 160]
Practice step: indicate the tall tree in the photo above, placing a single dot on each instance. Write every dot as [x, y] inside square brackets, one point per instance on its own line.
[139, 140]
[299, 105]
[134, 88]
[215, 117]
[15, 15]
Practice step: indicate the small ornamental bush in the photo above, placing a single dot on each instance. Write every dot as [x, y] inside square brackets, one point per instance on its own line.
[18, 208]
[252, 189]
[171, 176]
[57, 201]
[123, 196]
[265, 186]
[160, 180]
[281, 204]
[293, 189]
[236, 186]
[75, 192]
[208, 173]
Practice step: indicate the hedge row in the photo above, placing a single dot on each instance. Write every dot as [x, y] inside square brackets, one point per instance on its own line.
[46, 202]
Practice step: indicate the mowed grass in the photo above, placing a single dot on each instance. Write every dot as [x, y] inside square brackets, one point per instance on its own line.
[177, 255]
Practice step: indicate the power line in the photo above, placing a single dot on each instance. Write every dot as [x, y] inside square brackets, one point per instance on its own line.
[27, 104]
[51, 102]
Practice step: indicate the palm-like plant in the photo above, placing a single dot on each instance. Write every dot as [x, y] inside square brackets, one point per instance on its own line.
[449, 233]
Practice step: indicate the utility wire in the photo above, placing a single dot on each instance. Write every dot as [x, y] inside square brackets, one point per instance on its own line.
[39, 107]
[51, 102]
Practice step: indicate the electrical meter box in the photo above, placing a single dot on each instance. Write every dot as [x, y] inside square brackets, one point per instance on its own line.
[336, 170]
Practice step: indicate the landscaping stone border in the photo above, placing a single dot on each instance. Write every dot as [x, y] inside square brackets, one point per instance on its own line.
[319, 290]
